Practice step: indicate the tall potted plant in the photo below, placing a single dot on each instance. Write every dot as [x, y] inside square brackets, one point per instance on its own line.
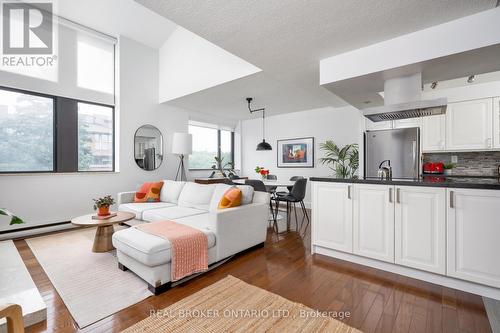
[13, 218]
[343, 161]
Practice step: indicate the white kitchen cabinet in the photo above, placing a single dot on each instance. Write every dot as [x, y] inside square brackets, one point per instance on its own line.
[406, 123]
[433, 133]
[496, 122]
[469, 125]
[473, 231]
[420, 228]
[332, 215]
[373, 221]
[380, 125]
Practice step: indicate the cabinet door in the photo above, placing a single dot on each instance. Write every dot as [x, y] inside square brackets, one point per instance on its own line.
[406, 123]
[380, 125]
[496, 122]
[332, 216]
[420, 228]
[373, 229]
[473, 235]
[469, 125]
[433, 133]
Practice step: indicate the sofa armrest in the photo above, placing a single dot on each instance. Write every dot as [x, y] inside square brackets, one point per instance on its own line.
[239, 228]
[125, 197]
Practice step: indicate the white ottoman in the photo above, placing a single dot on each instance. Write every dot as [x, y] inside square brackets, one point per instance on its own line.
[149, 256]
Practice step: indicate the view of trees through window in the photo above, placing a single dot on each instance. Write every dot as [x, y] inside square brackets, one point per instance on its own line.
[26, 132]
[206, 146]
[95, 137]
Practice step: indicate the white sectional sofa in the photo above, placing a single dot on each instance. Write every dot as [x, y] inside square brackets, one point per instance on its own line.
[229, 231]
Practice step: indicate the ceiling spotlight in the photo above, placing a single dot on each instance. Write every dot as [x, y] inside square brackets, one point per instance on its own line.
[471, 79]
[434, 85]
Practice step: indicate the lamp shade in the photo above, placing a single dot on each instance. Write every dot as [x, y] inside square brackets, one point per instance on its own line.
[182, 144]
[264, 146]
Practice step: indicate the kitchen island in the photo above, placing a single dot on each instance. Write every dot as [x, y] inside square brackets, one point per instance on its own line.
[441, 230]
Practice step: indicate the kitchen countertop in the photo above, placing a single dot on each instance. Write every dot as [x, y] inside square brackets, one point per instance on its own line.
[475, 182]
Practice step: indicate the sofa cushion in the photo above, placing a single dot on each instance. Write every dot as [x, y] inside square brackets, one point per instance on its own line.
[171, 190]
[149, 192]
[231, 198]
[170, 213]
[149, 249]
[139, 207]
[247, 192]
[196, 195]
[246, 195]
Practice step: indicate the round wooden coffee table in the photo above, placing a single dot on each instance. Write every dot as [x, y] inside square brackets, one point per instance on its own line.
[102, 239]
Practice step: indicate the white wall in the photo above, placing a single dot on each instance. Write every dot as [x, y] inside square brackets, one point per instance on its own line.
[342, 125]
[49, 198]
[189, 63]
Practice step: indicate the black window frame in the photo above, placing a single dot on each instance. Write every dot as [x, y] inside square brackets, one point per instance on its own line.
[59, 135]
[219, 151]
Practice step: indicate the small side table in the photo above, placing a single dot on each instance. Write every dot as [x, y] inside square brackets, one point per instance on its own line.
[105, 229]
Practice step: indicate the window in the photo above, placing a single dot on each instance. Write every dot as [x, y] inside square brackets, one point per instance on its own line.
[29, 143]
[95, 131]
[210, 142]
[26, 132]
[95, 64]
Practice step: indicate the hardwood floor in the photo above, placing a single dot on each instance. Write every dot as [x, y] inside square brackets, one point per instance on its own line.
[376, 301]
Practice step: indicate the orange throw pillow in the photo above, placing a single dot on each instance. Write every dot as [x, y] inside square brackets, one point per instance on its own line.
[232, 198]
[149, 192]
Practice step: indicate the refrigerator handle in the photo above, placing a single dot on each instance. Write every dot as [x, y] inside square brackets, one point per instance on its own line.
[414, 156]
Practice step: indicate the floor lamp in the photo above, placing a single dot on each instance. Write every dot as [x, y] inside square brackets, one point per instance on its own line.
[182, 145]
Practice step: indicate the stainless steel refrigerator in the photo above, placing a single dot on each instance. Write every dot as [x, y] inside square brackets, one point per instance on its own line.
[400, 146]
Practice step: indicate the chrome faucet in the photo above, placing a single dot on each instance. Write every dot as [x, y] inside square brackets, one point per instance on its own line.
[385, 172]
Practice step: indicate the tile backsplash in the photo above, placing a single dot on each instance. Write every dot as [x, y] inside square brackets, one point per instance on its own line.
[483, 163]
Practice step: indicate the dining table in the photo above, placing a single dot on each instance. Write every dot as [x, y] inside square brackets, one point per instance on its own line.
[270, 185]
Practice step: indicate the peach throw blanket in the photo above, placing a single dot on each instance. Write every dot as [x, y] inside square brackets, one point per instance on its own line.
[189, 247]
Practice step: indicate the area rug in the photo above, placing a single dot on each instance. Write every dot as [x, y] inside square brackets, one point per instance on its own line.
[90, 284]
[231, 305]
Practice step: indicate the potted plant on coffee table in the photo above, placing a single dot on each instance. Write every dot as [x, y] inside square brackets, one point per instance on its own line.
[102, 205]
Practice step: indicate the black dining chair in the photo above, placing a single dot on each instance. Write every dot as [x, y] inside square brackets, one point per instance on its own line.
[228, 181]
[296, 195]
[289, 188]
[272, 189]
[259, 186]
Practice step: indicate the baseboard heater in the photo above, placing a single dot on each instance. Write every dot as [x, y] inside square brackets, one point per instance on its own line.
[34, 227]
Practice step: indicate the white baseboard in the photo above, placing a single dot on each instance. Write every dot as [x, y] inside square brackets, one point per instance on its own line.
[446, 281]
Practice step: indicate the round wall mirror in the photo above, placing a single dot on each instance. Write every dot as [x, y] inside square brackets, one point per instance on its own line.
[148, 147]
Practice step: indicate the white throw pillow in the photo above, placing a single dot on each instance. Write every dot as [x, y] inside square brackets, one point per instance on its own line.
[196, 195]
[171, 190]
[246, 194]
[220, 189]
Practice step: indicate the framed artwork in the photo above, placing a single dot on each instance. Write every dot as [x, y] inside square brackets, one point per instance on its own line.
[296, 153]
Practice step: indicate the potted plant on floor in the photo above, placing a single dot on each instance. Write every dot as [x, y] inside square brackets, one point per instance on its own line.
[343, 161]
[102, 205]
[13, 218]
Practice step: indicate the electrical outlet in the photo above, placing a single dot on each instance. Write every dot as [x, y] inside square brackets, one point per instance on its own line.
[454, 159]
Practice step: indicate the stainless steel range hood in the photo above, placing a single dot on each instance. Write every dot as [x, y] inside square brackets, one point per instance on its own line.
[402, 100]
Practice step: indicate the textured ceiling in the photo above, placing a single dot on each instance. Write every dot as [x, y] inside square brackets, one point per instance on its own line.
[119, 17]
[286, 39]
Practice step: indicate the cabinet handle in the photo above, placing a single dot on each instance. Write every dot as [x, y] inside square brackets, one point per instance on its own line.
[348, 191]
[390, 194]
[398, 195]
[452, 203]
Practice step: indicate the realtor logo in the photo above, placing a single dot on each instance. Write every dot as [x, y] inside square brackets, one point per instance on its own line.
[27, 28]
